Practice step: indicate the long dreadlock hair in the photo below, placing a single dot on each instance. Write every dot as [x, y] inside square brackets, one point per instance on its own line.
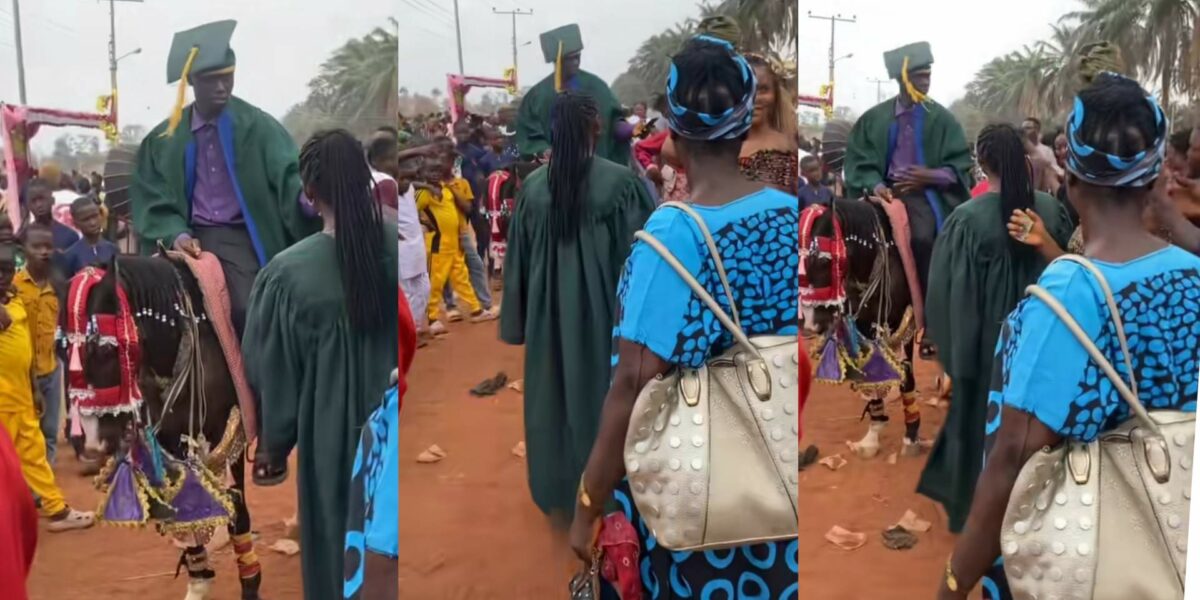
[571, 137]
[1001, 149]
[332, 163]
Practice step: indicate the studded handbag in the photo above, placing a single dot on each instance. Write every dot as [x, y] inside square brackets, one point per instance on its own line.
[710, 452]
[1107, 519]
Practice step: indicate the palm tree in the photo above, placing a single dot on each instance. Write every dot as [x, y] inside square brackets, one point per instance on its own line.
[652, 62]
[1061, 50]
[359, 80]
[1158, 38]
[767, 25]
[1014, 86]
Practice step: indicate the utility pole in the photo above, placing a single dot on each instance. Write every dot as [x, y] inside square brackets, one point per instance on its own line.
[112, 49]
[833, 21]
[879, 88]
[514, 13]
[458, 36]
[16, 15]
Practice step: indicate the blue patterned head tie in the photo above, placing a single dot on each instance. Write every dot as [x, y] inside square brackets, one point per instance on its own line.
[730, 124]
[1109, 170]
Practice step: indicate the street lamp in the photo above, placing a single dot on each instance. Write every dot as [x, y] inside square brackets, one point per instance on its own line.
[851, 55]
[127, 55]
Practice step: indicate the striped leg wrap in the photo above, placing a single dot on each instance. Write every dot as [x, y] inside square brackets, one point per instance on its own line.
[247, 559]
[912, 415]
[876, 410]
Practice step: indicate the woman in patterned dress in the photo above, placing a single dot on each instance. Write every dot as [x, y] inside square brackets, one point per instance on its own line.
[1047, 389]
[769, 154]
[662, 325]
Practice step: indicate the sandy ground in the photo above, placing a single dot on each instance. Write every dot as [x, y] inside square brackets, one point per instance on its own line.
[867, 497]
[120, 563]
[468, 528]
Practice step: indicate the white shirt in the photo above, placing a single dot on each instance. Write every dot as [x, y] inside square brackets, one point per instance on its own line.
[412, 236]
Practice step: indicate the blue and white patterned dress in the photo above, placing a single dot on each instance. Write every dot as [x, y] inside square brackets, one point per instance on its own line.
[1044, 371]
[757, 237]
[372, 524]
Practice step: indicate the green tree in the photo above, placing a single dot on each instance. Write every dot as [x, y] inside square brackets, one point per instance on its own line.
[358, 83]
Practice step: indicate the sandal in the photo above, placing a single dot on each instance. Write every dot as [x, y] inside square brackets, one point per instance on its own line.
[265, 473]
[73, 519]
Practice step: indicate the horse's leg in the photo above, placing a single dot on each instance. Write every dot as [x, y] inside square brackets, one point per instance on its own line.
[249, 569]
[868, 446]
[200, 574]
[913, 445]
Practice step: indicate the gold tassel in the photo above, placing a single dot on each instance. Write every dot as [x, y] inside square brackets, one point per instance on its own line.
[181, 97]
[558, 82]
[913, 92]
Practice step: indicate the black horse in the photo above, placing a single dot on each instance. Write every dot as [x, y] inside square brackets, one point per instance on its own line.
[878, 299]
[159, 292]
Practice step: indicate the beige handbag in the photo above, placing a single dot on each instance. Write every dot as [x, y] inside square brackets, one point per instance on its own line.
[711, 452]
[1107, 519]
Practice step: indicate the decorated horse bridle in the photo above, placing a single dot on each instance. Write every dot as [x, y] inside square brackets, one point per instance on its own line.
[833, 248]
[118, 330]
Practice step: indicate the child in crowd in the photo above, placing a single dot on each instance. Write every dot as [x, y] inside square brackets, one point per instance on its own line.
[18, 407]
[452, 180]
[414, 266]
[37, 287]
[91, 249]
[812, 190]
[444, 211]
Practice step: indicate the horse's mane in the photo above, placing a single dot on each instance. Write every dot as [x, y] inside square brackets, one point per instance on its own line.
[154, 287]
[859, 219]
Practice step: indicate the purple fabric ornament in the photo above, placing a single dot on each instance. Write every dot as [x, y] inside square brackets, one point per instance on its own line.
[194, 502]
[878, 370]
[122, 505]
[829, 368]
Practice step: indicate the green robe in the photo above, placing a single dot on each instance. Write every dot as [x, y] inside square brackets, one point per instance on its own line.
[265, 170]
[975, 281]
[943, 142]
[319, 381]
[560, 301]
[533, 119]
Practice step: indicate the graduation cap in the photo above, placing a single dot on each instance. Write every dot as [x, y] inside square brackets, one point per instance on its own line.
[558, 43]
[201, 50]
[906, 60]
[918, 55]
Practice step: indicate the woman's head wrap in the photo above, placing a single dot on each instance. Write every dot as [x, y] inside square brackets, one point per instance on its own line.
[730, 124]
[1109, 170]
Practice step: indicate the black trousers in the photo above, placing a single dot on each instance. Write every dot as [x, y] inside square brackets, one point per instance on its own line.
[232, 246]
[922, 225]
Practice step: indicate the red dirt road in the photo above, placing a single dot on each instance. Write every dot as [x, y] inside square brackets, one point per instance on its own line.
[867, 496]
[468, 528]
[120, 563]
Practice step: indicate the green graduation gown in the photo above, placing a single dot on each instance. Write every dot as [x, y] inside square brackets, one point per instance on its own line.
[943, 145]
[265, 169]
[533, 118]
[975, 281]
[560, 301]
[319, 381]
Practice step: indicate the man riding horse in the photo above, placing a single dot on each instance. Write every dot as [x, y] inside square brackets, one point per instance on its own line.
[219, 176]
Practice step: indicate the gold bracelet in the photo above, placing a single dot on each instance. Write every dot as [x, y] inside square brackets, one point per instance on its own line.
[584, 498]
[951, 580]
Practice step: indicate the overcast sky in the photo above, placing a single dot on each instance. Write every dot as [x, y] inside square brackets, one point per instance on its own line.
[279, 46]
[612, 31]
[964, 34]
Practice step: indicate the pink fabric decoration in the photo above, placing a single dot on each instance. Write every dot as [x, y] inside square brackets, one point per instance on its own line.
[902, 235]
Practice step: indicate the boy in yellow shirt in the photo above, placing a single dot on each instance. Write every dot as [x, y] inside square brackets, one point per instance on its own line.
[18, 408]
[35, 287]
[439, 209]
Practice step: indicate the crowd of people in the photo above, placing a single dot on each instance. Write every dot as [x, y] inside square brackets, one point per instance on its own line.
[302, 238]
[988, 219]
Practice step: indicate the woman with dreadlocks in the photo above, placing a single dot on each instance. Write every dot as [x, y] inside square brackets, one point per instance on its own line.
[978, 275]
[663, 326]
[320, 344]
[1049, 392]
[570, 233]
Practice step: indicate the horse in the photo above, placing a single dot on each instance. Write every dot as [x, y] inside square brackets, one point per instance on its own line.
[182, 406]
[867, 292]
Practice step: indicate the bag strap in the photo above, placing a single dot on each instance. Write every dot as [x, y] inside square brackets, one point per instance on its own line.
[700, 292]
[1127, 392]
[712, 252]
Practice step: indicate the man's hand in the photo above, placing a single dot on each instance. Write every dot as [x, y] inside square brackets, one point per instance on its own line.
[421, 185]
[882, 193]
[39, 401]
[654, 174]
[5, 319]
[188, 245]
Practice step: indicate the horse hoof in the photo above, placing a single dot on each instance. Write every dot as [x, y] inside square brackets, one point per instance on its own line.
[915, 448]
[198, 589]
[864, 451]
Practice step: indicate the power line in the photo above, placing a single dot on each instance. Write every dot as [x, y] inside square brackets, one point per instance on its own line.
[436, 7]
[438, 19]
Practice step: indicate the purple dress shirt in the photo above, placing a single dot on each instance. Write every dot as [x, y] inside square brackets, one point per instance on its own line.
[214, 197]
[904, 155]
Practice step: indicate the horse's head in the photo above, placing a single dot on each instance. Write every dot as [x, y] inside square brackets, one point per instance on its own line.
[100, 361]
[839, 243]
